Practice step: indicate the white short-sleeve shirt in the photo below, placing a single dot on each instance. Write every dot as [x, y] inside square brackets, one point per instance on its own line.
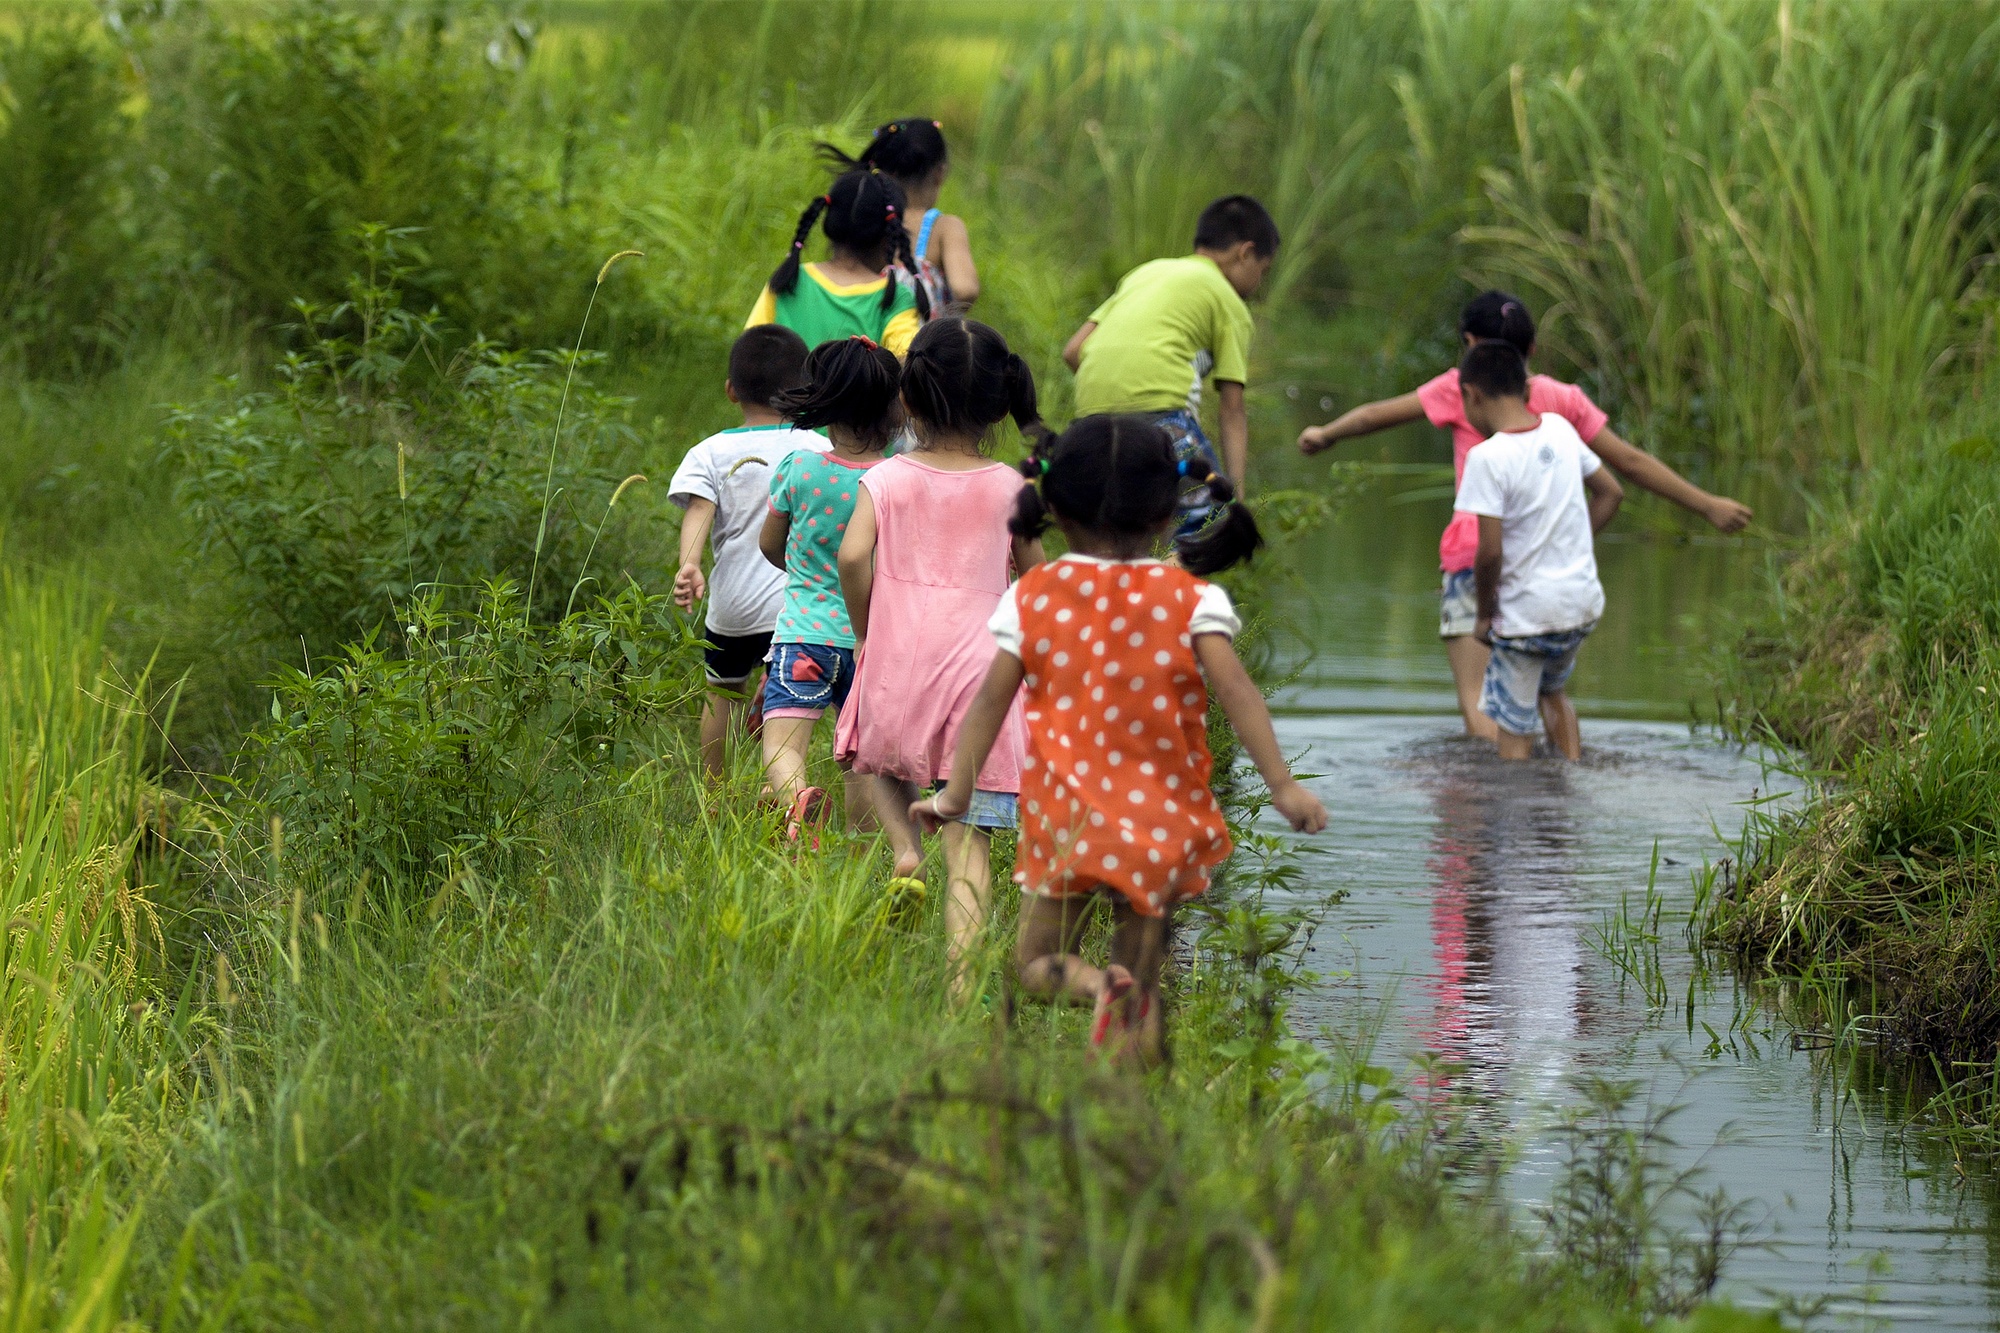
[1532, 481]
[733, 470]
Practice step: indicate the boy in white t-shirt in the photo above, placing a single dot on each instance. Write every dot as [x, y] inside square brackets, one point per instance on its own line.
[724, 483]
[1541, 496]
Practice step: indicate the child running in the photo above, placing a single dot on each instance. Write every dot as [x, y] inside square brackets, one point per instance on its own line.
[1538, 495]
[912, 153]
[851, 292]
[850, 391]
[925, 561]
[1173, 323]
[1112, 646]
[721, 483]
[1498, 317]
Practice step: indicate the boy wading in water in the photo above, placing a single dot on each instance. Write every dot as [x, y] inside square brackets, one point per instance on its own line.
[1173, 323]
[1540, 496]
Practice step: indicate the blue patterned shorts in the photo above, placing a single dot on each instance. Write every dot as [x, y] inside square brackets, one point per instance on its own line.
[1522, 670]
[988, 810]
[1184, 429]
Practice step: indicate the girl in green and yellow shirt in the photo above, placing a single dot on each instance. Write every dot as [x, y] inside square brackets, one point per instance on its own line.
[849, 293]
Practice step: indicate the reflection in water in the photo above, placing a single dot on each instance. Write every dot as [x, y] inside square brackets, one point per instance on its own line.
[1508, 986]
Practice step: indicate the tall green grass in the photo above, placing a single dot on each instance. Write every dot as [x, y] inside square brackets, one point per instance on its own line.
[91, 1071]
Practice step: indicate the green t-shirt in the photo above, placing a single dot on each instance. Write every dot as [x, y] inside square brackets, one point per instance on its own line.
[821, 311]
[817, 492]
[1171, 324]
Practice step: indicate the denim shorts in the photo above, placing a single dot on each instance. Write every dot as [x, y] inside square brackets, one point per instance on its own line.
[1197, 507]
[1522, 670]
[1458, 604]
[729, 659]
[806, 679]
[988, 809]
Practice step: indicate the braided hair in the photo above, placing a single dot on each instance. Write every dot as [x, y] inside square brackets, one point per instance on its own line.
[862, 213]
[961, 378]
[1119, 475]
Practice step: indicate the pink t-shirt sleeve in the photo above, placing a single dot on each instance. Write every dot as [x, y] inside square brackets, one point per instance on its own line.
[1441, 403]
[1574, 406]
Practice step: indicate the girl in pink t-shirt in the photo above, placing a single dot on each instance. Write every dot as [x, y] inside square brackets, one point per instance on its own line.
[925, 561]
[1496, 316]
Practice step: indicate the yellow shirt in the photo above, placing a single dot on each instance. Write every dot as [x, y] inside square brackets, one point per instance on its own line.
[820, 310]
[1171, 324]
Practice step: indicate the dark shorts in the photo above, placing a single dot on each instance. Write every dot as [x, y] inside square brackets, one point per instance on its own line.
[731, 658]
[806, 679]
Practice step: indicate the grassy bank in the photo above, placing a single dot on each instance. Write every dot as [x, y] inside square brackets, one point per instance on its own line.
[1881, 662]
[437, 993]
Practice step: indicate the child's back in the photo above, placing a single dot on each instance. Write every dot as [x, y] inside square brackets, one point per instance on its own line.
[1532, 481]
[1171, 324]
[733, 470]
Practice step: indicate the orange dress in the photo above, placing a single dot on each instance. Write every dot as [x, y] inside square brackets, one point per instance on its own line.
[1114, 786]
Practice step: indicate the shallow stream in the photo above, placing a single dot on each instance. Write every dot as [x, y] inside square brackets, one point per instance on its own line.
[1476, 892]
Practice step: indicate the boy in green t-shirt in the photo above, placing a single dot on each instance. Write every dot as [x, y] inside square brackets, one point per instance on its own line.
[1173, 323]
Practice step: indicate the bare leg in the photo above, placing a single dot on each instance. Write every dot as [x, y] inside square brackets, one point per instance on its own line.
[969, 899]
[786, 741]
[1045, 957]
[1467, 656]
[718, 715]
[1139, 944]
[1559, 719]
[859, 793]
[892, 799]
[1516, 747]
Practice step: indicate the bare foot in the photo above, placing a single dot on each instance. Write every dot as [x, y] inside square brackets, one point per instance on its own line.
[1117, 981]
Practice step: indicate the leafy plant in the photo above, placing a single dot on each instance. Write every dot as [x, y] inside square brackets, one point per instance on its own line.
[383, 464]
[451, 762]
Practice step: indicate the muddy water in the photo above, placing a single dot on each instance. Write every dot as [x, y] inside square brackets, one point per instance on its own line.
[1476, 893]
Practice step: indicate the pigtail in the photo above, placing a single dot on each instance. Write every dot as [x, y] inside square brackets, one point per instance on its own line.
[1022, 407]
[1031, 512]
[902, 253]
[1228, 539]
[785, 278]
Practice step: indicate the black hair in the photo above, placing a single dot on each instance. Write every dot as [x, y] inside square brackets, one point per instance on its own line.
[863, 213]
[960, 376]
[1119, 475]
[1499, 317]
[1495, 369]
[764, 362]
[1233, 219]
[909, 149]
[849, 382]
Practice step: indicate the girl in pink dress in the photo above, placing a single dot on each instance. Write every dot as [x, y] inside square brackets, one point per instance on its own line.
[926, 559]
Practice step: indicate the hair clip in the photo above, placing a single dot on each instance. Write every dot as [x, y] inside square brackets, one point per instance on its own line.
[1181, 467]
[1505, 306]
[798, 245]
[937, 124]
[826, 199]
[1045, 466]
[863, 338]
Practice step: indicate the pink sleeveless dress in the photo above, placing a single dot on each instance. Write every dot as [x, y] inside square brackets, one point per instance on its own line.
[941, 564]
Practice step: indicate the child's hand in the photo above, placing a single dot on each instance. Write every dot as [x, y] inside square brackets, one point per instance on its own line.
[935, 812]
[689, 586]
[1301, 809]
[1482, 630]
[1313, 439]
[1727, 515]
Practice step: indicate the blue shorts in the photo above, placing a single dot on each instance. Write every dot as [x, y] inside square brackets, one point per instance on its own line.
[1458, 605]
[1197, 507]
[988, 809]
[806, 679]
[1522, 670]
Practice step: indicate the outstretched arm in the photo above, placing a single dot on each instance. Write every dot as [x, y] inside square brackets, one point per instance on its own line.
[1363, 420]
[1251, 720]
[689, 585]
[1649, 473]
[1073, 349]
[1605, 497]
[857, 564]
[975, 741]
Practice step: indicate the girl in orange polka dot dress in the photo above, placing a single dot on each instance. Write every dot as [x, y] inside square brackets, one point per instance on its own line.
[1118, 652]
